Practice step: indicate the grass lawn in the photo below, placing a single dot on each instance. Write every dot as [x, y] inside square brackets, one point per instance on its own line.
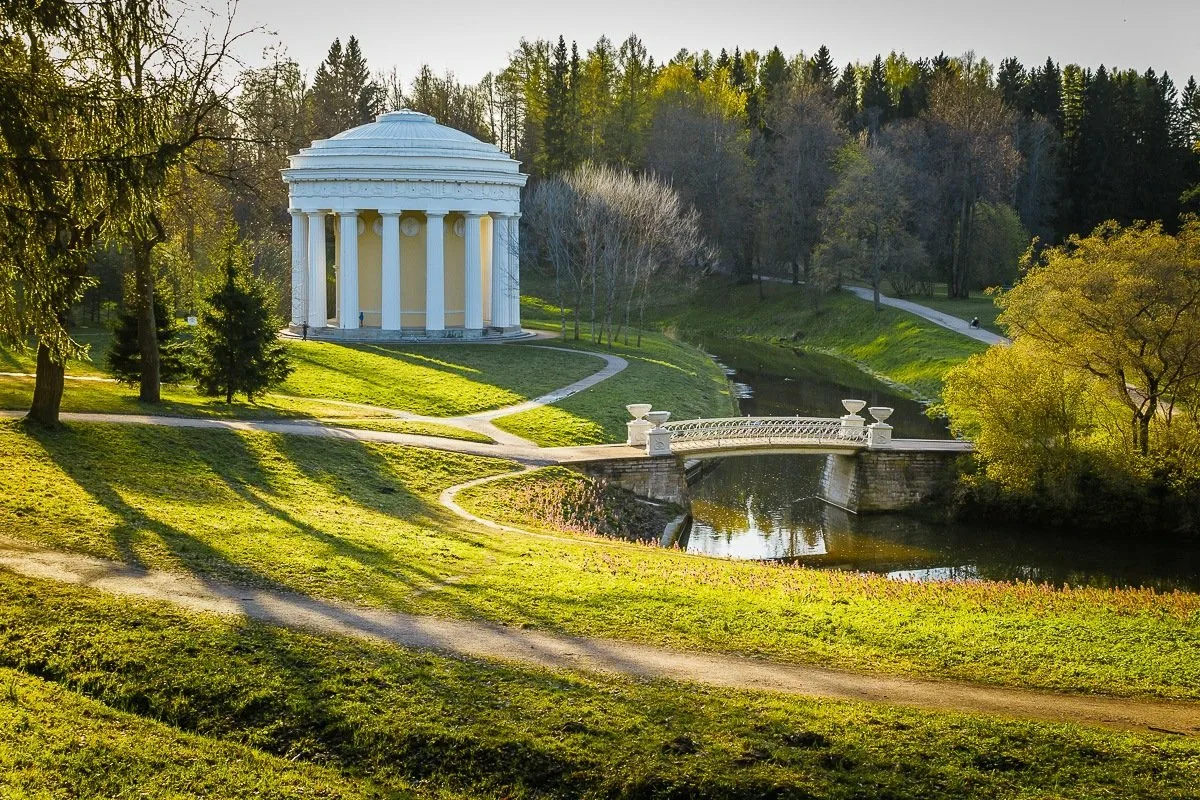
[55, 742]
[416, 428]
[359, 521]
[673, 376]
[96, 340]
[900, 346]
[462, 727]
[436, 380]
[977, 305]
[16, 393]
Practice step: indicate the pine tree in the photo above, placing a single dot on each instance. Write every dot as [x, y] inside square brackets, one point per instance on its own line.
[846, 93]
[343, 95]
[820, 71]
[557, 131]
[1189, 113]
[124, 355]
[876, 101]
[236, 348]
[737, 71]
[1046, 93]
[1012, 82]
[723, 61]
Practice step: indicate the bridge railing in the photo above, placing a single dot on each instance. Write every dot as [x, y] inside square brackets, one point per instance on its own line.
[695, 434]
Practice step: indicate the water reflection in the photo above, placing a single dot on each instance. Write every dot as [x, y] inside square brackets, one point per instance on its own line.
[766, 507]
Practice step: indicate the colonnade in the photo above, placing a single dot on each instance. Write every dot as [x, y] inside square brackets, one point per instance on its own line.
[310, 266]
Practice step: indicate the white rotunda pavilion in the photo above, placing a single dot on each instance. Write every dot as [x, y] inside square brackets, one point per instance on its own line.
[425, 240]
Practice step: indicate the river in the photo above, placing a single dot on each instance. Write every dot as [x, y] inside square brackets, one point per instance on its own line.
[766, 507]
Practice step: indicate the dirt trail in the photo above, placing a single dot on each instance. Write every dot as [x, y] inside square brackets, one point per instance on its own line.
[475, 639]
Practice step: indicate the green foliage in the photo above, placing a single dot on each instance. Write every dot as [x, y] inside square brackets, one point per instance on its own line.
[236, 347]
[1122, 304]
[1107, 330]
[867, 223]
[1027, 417]
[997, 244]
[124, 356]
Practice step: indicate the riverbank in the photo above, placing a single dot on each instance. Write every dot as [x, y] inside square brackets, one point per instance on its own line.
[909, 352]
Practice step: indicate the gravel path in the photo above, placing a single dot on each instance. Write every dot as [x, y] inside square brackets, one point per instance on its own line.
[535, 648]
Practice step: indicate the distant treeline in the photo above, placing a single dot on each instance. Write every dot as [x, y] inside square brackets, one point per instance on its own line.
[901, 169]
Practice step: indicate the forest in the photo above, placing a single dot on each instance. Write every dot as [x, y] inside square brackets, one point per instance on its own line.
[910, 170]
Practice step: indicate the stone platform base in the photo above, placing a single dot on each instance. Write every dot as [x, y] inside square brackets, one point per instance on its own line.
[407, 335]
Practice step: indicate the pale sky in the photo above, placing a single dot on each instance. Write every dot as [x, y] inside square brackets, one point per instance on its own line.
[473, 38]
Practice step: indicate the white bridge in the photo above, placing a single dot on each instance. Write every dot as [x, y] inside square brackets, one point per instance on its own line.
[777, 434]
[847, 434]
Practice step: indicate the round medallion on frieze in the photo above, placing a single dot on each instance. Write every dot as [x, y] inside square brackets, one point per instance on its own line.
[377, 226]
[409, 226]
[460, 227]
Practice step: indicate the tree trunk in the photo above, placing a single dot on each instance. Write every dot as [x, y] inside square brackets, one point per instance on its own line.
[47, 389]
[956, 257]
[796, 273]
[151, 387]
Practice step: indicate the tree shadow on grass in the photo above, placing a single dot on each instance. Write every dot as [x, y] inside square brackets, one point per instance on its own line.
[196, 494]
[228, 506]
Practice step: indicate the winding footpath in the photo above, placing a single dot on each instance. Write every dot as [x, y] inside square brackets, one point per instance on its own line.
[551, 651]
[948, 321]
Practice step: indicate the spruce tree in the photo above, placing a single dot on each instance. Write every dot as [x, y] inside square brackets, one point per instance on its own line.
[124, 354]
[1012, 82]
[820, 71]
[343, 95]
[846, 95]
[876, 100]
[236, 348]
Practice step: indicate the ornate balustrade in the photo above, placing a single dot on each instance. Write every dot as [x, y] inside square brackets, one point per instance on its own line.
[707, 434]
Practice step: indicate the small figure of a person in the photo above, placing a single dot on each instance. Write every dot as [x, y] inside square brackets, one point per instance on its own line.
[360, 319]
[974, 322]
[304, 330]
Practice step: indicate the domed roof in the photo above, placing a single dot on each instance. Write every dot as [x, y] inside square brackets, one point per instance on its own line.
[402, 141]
[407, 128]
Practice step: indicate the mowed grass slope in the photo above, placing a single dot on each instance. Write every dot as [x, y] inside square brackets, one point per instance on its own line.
[54, 742]
[471, 728]
[672, 376]
[899, 346]
[360, 522]
[434, 380]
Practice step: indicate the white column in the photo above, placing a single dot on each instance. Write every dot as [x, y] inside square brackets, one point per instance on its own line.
[391, 270]
[318, 311]
[499, 265]
[299, 267]
[435, 271]
[348, 273]
[473, 291]
[514, 271]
